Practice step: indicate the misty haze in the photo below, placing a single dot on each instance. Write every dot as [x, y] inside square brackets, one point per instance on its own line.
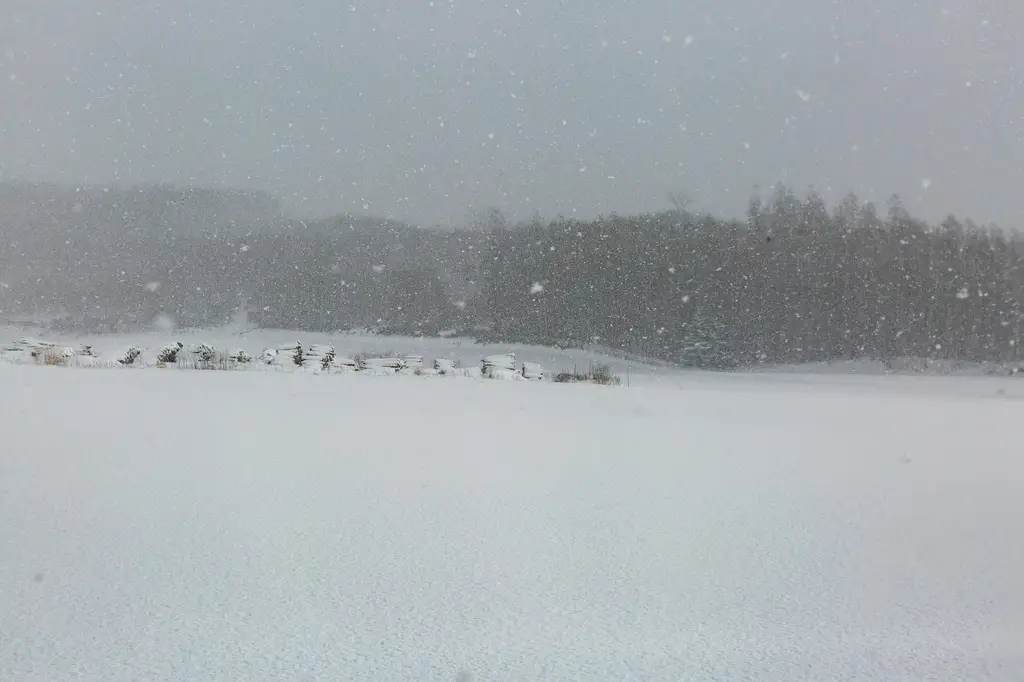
[422, 111]
[483, 340]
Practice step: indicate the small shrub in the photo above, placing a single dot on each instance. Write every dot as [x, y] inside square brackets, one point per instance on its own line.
[204, 352]
[56, 357]
[241, 357]
[200, 356]
[169, 353]
[598, 374]
[130, 356]
[602, 374]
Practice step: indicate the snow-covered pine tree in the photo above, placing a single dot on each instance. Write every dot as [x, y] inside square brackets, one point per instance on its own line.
[205, 356]
[168, 355]
[706, 343]
[239, 356]
[130, 355]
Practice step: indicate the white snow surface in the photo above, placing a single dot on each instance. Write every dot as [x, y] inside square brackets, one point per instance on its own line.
[187, 525]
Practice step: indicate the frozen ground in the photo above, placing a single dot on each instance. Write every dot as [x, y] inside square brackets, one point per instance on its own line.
[256, 525]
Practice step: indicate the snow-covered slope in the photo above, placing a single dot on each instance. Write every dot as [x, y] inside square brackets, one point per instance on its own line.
[254, 525]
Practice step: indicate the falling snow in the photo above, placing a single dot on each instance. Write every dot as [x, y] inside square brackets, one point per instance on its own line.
[530, 174]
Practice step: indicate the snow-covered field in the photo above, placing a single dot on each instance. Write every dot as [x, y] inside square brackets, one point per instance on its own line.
[277, 525]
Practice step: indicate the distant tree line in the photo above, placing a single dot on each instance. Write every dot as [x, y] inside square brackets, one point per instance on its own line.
[793, 282]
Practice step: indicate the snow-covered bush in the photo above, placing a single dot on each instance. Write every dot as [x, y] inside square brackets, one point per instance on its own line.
[55, 355]
[602, 374]
[597, 374]
[168, 355]
[240, 357]
[204, 352]
[129, 356]
[203, 356]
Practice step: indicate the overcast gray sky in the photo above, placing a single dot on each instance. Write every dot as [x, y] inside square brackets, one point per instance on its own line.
[426, 109]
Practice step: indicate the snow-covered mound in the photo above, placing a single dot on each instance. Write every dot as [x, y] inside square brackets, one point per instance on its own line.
[274, 525]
